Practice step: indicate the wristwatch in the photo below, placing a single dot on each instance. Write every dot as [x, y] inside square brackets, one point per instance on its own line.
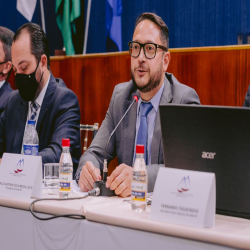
[78, 176]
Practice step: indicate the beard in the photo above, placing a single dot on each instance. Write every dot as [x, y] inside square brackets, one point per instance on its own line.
[153, 81]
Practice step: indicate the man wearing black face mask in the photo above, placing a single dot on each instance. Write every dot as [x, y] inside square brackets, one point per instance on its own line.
[28, 85]
[6, 38]
[40, 97]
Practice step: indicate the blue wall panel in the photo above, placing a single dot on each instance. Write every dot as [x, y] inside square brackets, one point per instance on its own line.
[12, 19]
[191, 23]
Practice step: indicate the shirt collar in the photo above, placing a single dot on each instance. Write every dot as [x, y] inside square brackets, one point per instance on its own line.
[39, 99]
[156, 98]
[2, 83]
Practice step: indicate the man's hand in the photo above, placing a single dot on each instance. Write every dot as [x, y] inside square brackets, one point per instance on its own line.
[120, 180]
[88, 176]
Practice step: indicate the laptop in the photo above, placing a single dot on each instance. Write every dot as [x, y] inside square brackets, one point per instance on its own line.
[211, 139]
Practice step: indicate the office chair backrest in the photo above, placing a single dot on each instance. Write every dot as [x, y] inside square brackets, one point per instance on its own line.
[88, 128]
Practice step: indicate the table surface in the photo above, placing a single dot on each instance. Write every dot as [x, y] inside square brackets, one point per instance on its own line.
[20, 230]
[114, 212]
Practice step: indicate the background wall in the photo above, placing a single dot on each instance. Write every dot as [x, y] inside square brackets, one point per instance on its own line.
[220, 75]
[191, 23]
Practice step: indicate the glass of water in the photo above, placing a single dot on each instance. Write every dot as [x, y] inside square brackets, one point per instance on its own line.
[51, 178]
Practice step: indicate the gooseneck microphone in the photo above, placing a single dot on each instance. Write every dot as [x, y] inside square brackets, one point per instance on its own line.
[104, 191]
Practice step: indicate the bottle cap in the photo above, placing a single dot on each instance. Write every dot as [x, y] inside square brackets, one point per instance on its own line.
[65, 142]
[139, 149]
[31, 122]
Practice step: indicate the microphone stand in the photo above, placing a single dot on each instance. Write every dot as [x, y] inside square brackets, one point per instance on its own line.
[104, 191]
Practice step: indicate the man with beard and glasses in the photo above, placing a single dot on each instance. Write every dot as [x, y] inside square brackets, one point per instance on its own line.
[6, 38]
[149, 61]
[40, 97]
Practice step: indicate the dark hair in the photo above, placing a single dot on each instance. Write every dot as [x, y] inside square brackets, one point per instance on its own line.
[159, 22]
[6, 37]
[39, 43]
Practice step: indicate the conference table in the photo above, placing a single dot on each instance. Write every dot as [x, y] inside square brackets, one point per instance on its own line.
[109, 224]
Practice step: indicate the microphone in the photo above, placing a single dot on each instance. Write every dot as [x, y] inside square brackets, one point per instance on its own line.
[104, 191]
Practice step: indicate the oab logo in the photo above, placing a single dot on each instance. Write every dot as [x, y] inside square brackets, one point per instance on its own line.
[208, 155]
[184, 185]
[19, 166]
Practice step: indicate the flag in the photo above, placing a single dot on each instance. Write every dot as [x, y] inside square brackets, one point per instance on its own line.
[113, 25]
[66, 13]
[26, 8]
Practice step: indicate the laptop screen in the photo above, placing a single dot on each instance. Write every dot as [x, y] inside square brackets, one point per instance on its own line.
[211, 139]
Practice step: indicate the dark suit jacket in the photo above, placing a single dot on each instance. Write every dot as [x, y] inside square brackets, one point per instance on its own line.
[59, 118]
[247, 98]
[5, 91]
[122, 142]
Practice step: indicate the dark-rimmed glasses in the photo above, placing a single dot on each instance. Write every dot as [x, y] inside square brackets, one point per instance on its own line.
[148, 48]
[2, 62]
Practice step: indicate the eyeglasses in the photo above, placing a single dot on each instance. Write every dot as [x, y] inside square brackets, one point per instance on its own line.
[148, 48]
[2, 62]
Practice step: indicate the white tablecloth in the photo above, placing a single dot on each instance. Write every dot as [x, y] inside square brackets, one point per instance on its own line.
[20, 230]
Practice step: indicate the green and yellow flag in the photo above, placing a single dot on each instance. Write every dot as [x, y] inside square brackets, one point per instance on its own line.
[66, 13]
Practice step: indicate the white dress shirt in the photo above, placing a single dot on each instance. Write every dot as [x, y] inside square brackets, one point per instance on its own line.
[2, 83]
[39, 101]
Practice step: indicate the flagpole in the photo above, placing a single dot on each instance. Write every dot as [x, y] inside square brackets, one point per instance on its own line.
[86, 28]
[42, 16]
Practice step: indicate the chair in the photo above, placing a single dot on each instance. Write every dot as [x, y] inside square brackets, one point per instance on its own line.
[88, 128]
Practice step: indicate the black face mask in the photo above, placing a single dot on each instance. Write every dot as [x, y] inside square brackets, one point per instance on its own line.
[27, 85]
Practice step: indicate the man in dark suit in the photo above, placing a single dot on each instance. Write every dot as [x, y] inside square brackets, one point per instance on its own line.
[40, 97]
[6, 38]
[149, 61]
[247, 98]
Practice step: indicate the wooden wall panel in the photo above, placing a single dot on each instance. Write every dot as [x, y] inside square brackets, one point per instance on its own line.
[243, 75]
[220, 75]
[209, 73]
[93, 79]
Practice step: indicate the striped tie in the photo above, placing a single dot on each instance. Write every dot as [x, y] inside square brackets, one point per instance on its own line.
[34, 108]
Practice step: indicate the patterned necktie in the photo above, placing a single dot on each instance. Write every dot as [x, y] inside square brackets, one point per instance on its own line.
[34, 108]
[142, 136]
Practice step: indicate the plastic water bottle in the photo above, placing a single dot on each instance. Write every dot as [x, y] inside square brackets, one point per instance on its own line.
[139, 185]
[65, 170]
[30, 140]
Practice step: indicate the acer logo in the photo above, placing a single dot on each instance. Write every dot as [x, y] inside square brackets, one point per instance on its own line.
[208, 155]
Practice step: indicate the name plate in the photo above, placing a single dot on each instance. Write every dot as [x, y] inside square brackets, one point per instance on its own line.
[21, 176]
[184, 197]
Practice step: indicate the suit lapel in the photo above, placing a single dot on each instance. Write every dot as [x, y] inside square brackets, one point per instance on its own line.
[166, 97]
[21, 118]
[46, 101]
[130, 131]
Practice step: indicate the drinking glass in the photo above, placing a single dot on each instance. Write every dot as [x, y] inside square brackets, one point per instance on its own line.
[51, 178]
